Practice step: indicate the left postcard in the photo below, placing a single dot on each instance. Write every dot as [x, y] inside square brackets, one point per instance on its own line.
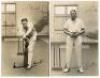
[25, 38]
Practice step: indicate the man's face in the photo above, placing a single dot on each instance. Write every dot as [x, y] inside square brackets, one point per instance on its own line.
[73, 14]
[24, 23]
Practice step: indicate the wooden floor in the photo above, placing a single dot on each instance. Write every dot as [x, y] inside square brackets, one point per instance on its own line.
[9, 51]
[90, 63]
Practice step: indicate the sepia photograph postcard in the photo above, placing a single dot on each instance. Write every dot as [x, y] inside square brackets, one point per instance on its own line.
[50, 38]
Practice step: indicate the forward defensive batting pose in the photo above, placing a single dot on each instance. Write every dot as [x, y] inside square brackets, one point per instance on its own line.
[29, 36]
[74, 28]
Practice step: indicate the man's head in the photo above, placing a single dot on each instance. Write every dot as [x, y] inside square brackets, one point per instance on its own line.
[24, 22]
[73, 14]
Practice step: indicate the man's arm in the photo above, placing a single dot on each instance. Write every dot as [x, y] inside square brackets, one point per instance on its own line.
[67, 32]
[27, 34]
[29, 31]
[82, 29]
[81, 32]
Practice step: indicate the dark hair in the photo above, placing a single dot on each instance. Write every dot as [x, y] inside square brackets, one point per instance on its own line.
[24, 19]
[73, 10]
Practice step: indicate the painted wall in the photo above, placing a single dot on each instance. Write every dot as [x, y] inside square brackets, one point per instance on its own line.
[88, 12]
[34, 11]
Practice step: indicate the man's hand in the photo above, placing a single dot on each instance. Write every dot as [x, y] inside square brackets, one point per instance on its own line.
[67, 32]
[74, 34]
[25, 38]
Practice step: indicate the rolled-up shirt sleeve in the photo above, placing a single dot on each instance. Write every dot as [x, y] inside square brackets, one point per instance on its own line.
[30, 29]
[82, 27]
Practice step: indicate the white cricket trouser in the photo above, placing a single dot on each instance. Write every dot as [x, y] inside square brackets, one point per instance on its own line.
[31, 46]
[78, 49]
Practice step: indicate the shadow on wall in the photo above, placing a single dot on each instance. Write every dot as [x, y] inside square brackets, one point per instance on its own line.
[44, 21]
